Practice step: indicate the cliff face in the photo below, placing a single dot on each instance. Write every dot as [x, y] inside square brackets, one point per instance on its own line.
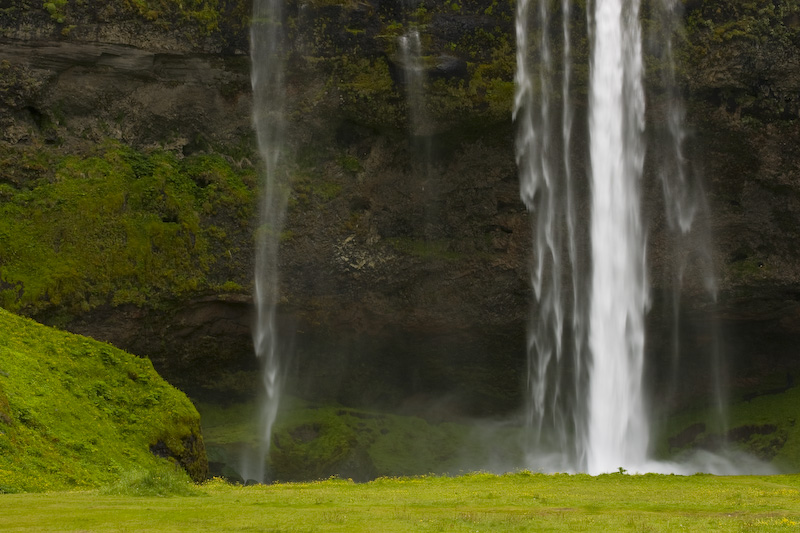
[744, 86]
[403, 278]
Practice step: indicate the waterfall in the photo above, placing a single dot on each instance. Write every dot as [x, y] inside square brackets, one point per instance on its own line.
[556, 347]
[419, 122]
[586, 402]
[420, 125]
[618, 433]
[682, 199]
[266, 55]
[414, 79]
[684, 203]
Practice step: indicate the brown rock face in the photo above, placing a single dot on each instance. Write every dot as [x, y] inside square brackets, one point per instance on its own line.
[403, 278]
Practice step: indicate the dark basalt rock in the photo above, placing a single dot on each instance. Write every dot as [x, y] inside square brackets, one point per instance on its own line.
[449, 67]
[191, 457]
[399, 282]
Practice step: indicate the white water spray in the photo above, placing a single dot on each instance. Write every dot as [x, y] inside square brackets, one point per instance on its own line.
[266, 54]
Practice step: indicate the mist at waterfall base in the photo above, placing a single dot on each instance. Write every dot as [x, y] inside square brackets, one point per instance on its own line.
[586, 406]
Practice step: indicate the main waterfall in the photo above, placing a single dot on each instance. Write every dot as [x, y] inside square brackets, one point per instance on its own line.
[586, 403]
[618, 432]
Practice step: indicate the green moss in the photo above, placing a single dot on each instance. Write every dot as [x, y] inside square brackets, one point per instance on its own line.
[231, 286]
[77, 413]
[368, 92]
[196, 19]
[313, 446]
[118, 226]
[392, 30]
[56, 9]
[748, 270]
[316, 442]
[765, 426]
[759, 22]
[308, 190]
[204, 15]
[350, 164]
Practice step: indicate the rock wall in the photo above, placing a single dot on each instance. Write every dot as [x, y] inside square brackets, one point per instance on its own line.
[404, 281]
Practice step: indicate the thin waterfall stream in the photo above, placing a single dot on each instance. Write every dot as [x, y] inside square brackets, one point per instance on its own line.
[266, 54]
[543, 158]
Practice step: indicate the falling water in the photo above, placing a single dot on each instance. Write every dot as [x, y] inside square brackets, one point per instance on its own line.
[418, 120]
[420, 128]
[682, 199]
[618, 432]
[684, 202]
[414, 80]
[266, 42]
[585, 354]
[555, 348]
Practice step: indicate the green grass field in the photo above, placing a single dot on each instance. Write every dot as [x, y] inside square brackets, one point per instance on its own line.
[79, 419]
[475, 502]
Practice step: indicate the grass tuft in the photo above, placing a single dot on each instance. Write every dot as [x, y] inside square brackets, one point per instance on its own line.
[161, 483]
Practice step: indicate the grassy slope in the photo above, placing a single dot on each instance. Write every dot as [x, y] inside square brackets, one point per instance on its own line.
[477, 502]
[77, 413]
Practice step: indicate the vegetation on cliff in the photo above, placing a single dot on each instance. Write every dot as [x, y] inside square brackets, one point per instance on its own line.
[151, 223]
[118, 226]
[743, 55]
[77, 413]
[316, 442]
[209, 24]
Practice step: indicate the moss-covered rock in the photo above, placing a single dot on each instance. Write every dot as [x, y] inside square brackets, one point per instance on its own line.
[118, 226]
[764, 425]
[745, 56]
[314, 442]
[77, 413]
[212, 25]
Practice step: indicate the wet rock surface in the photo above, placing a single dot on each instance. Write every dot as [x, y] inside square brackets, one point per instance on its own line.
[399, 280]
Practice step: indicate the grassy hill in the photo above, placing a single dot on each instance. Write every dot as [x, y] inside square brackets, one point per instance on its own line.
[77, 413]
